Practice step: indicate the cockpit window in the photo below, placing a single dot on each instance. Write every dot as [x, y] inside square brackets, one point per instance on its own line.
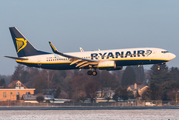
[165, 51]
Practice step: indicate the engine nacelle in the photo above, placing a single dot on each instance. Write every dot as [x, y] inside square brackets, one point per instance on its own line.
[108, 65]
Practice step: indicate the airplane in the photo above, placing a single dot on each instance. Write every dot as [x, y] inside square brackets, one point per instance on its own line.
[102, 59]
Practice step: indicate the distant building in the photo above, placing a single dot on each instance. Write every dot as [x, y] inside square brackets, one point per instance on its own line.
[14, 91]
[32, 98]
[105, 93]
[29, 98]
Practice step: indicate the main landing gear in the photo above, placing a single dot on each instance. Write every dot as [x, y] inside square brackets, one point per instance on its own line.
[90, 72]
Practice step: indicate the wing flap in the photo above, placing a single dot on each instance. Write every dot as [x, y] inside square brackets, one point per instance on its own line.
[75, 61]
[81, 63]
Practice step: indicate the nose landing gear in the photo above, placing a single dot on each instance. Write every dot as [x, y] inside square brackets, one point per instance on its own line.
[158, 67]
[164, 63]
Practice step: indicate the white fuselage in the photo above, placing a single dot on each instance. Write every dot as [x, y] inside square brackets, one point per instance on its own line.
[121, 57]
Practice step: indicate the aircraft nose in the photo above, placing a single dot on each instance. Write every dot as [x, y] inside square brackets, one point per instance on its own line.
[172, 56]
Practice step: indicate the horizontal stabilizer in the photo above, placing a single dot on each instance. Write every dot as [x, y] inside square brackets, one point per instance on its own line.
[17, 58]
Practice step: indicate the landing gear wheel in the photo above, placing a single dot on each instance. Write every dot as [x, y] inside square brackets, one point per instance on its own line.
[89, 72]
[94, 73]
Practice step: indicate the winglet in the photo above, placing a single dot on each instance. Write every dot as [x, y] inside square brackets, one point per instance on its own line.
[53, 47]
[56, 51]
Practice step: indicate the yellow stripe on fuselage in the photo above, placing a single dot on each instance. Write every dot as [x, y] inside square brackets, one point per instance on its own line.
[107, 66]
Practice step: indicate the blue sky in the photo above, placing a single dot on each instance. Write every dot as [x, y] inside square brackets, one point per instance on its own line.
[92, 24]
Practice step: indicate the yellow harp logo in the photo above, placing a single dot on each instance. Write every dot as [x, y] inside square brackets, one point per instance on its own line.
[21, 43]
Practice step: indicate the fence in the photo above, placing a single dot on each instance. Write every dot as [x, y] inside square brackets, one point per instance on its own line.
[134, 103]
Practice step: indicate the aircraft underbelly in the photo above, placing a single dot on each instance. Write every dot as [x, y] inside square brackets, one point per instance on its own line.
[67, 66]
[138, 62]
[60, 66]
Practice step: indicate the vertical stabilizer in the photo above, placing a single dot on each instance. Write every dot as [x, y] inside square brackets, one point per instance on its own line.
[22, 45]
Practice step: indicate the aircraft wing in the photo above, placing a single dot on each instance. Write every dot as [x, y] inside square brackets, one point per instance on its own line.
[81, 62]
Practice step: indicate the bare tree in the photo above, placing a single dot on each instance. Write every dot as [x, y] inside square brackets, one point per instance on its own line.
[174, 95]
[17, 73]
[91, 87]
[82, 96]
[49, 75]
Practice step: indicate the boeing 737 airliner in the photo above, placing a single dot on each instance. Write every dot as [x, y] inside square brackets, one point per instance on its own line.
[92, 60]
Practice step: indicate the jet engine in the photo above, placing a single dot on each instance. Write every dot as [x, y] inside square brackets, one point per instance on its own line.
[108, 65]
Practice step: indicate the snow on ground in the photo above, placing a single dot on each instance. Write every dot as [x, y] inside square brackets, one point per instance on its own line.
[168, 114]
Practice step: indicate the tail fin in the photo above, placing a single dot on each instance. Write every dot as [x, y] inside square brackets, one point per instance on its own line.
[22, 45]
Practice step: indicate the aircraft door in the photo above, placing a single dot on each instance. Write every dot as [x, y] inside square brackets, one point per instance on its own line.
[154, 54]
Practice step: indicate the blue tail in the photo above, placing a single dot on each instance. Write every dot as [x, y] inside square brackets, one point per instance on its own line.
[22, 45]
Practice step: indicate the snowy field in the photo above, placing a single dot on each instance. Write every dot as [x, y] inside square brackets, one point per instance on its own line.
[168, 114]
